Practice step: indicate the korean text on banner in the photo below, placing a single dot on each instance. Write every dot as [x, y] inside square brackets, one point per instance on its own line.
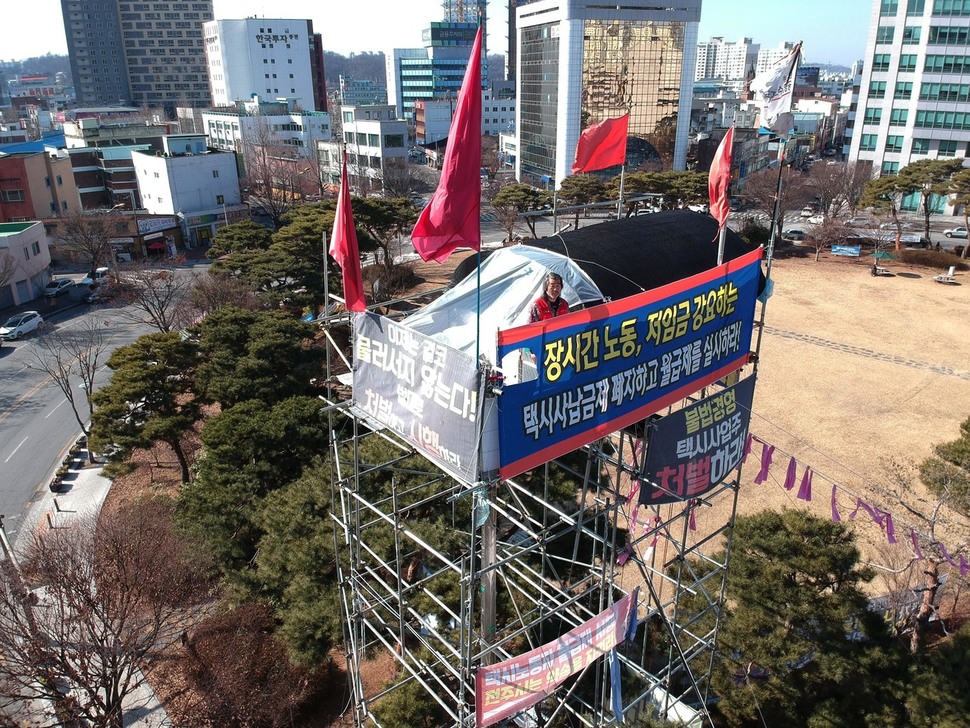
[695, 448]
[612, 365]
[421, 389]
[518, 683]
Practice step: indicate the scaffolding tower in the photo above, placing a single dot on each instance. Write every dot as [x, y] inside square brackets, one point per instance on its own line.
[513, 564]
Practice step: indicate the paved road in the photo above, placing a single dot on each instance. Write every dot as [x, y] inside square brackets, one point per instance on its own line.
[36, 421]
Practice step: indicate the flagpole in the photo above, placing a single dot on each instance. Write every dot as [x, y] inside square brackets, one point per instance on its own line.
[555, 208]
[619, 204]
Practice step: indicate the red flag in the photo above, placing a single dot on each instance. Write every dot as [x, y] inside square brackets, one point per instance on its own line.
[602, 145]
[343, 246]
[452, 218]
[720, 179]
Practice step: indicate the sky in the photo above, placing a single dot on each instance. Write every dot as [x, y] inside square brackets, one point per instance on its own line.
[833, 31]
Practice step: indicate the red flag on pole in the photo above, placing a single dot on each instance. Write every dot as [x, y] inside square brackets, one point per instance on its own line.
[452, 218]
[602, 145]
[343, 246]
[720, 180]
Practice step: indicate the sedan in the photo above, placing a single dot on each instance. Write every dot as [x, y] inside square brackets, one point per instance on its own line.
[793, 235]
[957, 232]
[22, 323]
[58, 286]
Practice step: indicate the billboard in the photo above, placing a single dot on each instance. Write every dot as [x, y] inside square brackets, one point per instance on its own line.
[607, 367]
[424, 391]
[695, 448]
[518, 683]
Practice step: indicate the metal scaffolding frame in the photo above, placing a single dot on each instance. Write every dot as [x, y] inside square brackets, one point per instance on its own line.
[535, 561]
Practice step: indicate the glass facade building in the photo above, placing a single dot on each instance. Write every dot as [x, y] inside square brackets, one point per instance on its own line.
[580, 63]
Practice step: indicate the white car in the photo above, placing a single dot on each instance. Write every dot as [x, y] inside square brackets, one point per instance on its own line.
[701, 207]
[99, 275]
[816, 219]
[957, 232]
[22, 323]
[58, 286]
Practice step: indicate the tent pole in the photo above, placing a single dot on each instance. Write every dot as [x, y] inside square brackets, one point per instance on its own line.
[619, 204]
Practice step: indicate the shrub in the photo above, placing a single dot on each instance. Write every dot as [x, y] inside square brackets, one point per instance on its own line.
[392, 282]
[931, 259]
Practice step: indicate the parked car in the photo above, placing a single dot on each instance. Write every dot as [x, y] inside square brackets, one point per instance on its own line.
[892, 226]
[861, 222]
[957, 232]
[807, 211]
[793, 235]
[701, 207]
[99, 275]
[816, 219]
[21, 324]
[58, 286]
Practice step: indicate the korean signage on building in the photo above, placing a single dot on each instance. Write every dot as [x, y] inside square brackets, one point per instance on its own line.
[610, 366]
[423, 390]
[695, 448]
[154, 224]
[511, 686]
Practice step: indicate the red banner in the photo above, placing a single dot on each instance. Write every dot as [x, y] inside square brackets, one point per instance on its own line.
[520, 682]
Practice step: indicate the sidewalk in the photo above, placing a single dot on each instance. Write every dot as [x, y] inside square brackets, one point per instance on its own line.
[84, 492]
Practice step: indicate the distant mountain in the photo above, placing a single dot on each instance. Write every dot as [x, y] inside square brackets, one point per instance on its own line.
[41, 66]
[362, 66]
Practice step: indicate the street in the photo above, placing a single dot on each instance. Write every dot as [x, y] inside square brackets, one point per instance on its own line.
[36, 422]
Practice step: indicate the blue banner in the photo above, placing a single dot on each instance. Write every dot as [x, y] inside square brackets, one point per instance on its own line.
[607, 367]
[695, 448]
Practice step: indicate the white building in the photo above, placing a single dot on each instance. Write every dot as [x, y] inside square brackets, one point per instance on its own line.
[258, 123]
[376, 143]
[767, 57]
[726, 60]
[914, 95]
[199, 185]
[24, 247]
[273, 58]
[432, 119]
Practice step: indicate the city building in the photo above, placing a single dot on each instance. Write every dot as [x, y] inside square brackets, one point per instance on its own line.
[433, 72]
[432, 119]
[198, 185]
[272, 58]
[768, 57]
[726, 60]
[361, 91]
[24, 252]
[376, 143]
[138, 53]
[37, 185]
[914, 99]
[581, 62]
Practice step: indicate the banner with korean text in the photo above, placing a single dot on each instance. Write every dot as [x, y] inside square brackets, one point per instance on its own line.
[513, 685]
[607, 367]
[423, 390]
[695, 448]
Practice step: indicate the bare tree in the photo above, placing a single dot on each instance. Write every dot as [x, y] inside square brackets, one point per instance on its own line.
[88, 235]
[157, 296]
[8, 265]
[211, 292]
[274, 171]
[830, 232]
[106, 593]
[761, 188]
[67, 356]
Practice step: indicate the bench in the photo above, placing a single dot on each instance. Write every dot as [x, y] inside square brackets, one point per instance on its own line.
[878, 270]
[946, 277]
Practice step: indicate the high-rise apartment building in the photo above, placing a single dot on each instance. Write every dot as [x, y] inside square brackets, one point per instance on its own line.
[726, 60]
[140, 53]
[580, 62]
[271, 58]
[914, 96]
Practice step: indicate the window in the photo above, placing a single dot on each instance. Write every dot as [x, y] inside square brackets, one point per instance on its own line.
[884, 34]
[877, 90]
[947, 64]
[373, 140]
[47, 181]
[915, 7]
[907, 62]
[942, 120]
[880, 61]
[951, 7]
[35, 247]
[60, 181]
[12, 195]
[26, 254]
[898, 117]
[947, 148]
[911, 35]
[945, 35]
[215, 173]
[873, 116]
[904, 90]
[868, 143]
[894, 143]
[944, 92]
[64, 205]
[220, 199]
[888, 7]
[393, 141]
[921, 146]
[890, 168]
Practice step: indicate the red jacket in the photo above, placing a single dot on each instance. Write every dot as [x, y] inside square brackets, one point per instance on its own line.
[544, 309]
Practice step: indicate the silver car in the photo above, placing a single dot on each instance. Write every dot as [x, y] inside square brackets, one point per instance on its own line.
[22, 323]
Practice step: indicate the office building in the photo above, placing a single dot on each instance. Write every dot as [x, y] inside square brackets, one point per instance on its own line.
[726, 60]
[581, 62]
[272, 58]
[914, 98]
[140, 53]
[432, 72]
[375, 140]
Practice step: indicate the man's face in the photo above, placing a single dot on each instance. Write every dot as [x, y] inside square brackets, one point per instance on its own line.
[553, 288]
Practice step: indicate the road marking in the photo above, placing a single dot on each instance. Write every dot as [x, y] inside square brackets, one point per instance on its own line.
[16, 448]
[55, 409]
